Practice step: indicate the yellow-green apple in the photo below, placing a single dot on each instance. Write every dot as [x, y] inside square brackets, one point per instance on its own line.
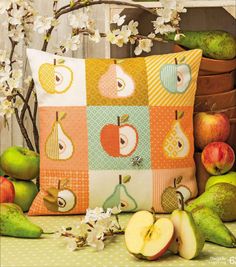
[119, 140]
[210, 128]
[58, 79]
[218, 158]
[188, 239]
[7, 191]
[175, 77]
[148, 237]
[20, 163]
[25, 192]
[229, 178]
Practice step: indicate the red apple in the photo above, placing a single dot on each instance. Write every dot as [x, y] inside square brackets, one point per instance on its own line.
[147, 237]
[119, 140]
[210, 128]
[7, 191]
[218, 158]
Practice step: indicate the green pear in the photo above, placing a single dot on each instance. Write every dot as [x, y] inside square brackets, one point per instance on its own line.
[214, 44]
[189, 240]
[212, 227]
[14, 223]
[229, 178]
[221, 198]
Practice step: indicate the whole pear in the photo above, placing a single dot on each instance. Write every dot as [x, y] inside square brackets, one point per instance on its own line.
[221, 198]
[229, 178]
[14, 223]
[212, 227]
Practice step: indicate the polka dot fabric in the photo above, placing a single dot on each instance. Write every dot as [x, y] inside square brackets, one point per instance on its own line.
[49, 251]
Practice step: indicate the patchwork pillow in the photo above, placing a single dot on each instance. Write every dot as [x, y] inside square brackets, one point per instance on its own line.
[115, 132]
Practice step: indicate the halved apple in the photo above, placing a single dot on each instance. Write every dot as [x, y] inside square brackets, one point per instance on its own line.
[147, 237]
[188, 240]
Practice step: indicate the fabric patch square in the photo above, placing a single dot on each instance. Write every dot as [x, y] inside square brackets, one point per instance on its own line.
[64, 138]
[171, 137]
[121, 189]
[116, 136]
[166, 183]
[61, 192]
[121, 82]
[172, 78]
[59, 81]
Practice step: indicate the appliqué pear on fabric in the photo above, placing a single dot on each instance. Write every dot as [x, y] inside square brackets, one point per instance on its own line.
[60, 199]
[119, 140]
[176, 144]
[115, 83]
[55, 78]
[176, 77]
[121, 197]
[170, 199]
[58, 145]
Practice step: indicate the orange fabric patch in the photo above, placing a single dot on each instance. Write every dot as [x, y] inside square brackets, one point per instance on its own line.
[74, 126]
[77, 182]
[165, 137]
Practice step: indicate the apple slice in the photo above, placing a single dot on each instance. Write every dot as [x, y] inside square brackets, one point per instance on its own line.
[147, 237]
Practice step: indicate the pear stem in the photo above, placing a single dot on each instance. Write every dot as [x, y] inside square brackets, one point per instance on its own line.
[59, 185]
[176, 115]
[175, 185]
[56, 115]
[120, 179]
[176, 61]
[118, 120]
[181, 199]
[54, 62]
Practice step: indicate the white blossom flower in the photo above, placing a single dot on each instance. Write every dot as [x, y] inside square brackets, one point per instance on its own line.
[72, 43]
[82, 228]
[163, 29]
[42, 24]
[4, 5]
[60, 232]
[93, 215]
[144, 45]
[119, 20]
[6, 108]
[111, 37]
[133, 27]
[71, 244]
[16, 15]
[78, 21]
[95, 37]
[93, 241]
[16, 33]
[91, 24]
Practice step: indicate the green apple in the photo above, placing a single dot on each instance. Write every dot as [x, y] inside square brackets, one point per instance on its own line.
[20, 163]
[25, 192]
[229, 178]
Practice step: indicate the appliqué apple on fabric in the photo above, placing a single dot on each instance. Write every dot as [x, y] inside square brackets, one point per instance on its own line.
[55, 78]
[59, 146]
[61, 198]
[170, 199]
[119, 140]
[115, 83]
[176, 144]
[176, 77]
[121, 197]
